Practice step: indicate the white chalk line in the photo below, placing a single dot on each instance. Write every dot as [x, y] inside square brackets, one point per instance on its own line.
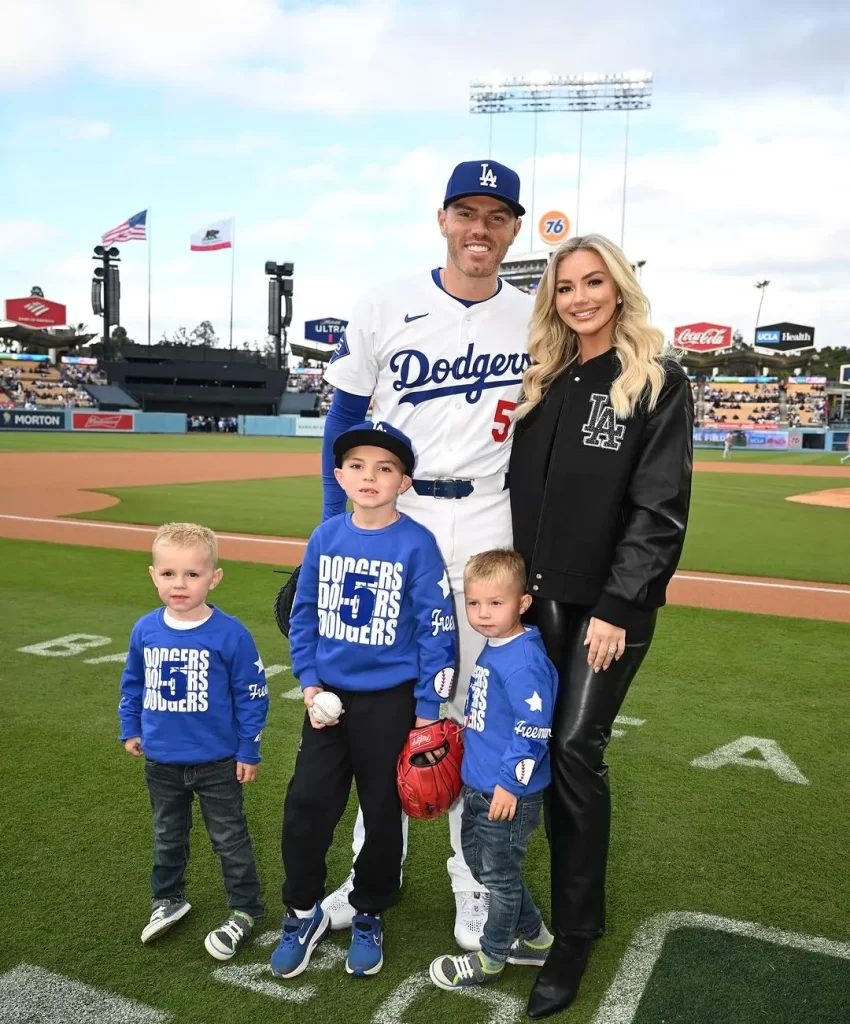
[763, 583]
[621, 1001]
[303, 544]
[151, 529]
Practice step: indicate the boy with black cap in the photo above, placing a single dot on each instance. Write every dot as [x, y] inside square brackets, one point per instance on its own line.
[373, 623]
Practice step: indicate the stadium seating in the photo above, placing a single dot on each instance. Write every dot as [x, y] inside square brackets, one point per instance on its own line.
[37, 384]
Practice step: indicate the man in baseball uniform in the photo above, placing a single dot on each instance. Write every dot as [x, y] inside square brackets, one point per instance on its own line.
[442, 355]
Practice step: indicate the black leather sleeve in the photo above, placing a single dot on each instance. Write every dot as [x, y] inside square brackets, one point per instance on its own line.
[656, 511]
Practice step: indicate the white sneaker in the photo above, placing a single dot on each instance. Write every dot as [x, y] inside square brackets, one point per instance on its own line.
[165, 914]
[337, 907]
[471, 909]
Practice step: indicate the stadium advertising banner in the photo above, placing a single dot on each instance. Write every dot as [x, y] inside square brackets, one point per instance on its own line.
[36, 312]
[844, 374]
[702, 337]
[25, 357]
[101, 421]
[79, 360]
[310, 426]
[326, 330]
[23, 419]
[785, 337]
[775, 440]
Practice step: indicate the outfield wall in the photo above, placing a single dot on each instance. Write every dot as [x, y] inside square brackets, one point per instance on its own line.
[135, 422]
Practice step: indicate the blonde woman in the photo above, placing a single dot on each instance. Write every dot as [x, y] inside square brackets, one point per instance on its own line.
[600, 486]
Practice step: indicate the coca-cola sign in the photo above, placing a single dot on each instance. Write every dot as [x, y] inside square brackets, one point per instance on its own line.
[34, 311]
[702, 337]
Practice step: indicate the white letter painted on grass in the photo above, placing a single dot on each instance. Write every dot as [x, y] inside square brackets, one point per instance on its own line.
[257, 978]
[772, 757]
[505, 1009]
[66, 646]
[32, 994]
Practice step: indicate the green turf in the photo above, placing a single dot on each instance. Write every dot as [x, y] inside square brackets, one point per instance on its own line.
[708, 977]
[57, 441]
[737, 842]
[285, 506]
[743, 524]
[801, 458]
[739, 523]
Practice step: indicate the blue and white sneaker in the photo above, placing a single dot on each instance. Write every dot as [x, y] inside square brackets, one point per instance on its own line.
[165, 913]
[299, 936]
[366, 952]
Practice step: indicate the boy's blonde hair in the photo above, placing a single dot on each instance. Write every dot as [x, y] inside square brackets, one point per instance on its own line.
[187, 535]
[496, 565]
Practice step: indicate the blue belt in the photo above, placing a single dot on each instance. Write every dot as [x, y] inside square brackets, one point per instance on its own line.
[447, 488]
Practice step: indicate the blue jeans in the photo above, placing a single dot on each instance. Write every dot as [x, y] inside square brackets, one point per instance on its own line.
[172, 788]
[494, 851]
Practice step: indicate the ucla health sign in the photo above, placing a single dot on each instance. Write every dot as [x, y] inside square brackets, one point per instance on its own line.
[785, 337]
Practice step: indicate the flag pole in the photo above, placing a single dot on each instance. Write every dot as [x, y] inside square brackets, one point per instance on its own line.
[232, 275]
[149, 219]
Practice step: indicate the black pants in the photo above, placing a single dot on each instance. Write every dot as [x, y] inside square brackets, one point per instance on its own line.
[578, 820]
[364, 746]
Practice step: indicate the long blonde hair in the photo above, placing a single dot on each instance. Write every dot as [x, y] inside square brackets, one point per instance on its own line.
[637, 344]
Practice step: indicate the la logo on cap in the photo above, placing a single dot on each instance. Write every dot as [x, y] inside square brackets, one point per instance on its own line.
[488, 177]
[380, 426]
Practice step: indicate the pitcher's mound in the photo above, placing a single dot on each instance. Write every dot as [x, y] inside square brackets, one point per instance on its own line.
[838, 497]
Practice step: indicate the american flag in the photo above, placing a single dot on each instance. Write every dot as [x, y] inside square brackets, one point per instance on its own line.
[131, 229]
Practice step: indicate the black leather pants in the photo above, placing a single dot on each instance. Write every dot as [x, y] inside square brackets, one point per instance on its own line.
[579, 805]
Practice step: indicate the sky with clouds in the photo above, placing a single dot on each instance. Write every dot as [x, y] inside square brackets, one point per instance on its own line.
[329, 130]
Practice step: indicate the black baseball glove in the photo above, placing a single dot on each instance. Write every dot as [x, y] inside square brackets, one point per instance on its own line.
[284, 601]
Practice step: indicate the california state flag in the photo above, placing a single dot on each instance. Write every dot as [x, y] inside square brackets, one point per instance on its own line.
[216, 236]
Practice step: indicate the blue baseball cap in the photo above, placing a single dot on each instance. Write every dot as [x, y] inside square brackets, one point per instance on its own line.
[378, 435]
[484, 178]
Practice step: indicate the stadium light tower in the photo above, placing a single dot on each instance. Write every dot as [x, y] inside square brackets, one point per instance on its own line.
[544, 93]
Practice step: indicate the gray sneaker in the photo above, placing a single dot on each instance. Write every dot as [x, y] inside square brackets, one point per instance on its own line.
[165, 914]
[225, 941]
[531, 952]
[454, 972]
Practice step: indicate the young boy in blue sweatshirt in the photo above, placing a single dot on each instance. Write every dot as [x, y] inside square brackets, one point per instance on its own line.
[505, 768]
[194, 702]
[373, 623]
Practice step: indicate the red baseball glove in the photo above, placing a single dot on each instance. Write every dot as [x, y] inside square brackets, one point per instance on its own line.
[429, 786]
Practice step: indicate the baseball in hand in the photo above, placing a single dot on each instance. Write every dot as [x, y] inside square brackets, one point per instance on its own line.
[327, 708]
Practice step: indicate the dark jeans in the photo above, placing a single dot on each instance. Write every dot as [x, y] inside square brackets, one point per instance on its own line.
[494, 851]
[172, 789]
[578, 818]
[364, 746]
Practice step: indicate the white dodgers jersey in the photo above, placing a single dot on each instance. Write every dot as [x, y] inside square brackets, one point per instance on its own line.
[446, 374]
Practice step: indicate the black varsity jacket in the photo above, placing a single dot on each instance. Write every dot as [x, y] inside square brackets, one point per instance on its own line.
[600, 506]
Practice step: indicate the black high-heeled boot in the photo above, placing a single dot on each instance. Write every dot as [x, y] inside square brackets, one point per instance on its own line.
[557, 983]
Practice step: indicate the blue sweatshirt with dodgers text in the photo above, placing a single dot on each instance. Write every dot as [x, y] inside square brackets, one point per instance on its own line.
[194, 695]
[373, 609]
[509, 716]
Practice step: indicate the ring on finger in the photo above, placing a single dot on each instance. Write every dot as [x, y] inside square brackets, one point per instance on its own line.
[612, 650]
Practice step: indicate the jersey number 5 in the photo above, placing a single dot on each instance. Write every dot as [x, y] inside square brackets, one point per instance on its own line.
[502, 420]
[359, 600]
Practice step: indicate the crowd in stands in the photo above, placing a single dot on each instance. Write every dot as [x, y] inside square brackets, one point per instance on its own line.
[767, 404]
[213, 424]
[807, 405]
[38, 384]
[307, 383]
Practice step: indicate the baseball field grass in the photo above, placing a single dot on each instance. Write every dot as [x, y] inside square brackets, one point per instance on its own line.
[752, 833]
[739, 523]
[98, 441]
